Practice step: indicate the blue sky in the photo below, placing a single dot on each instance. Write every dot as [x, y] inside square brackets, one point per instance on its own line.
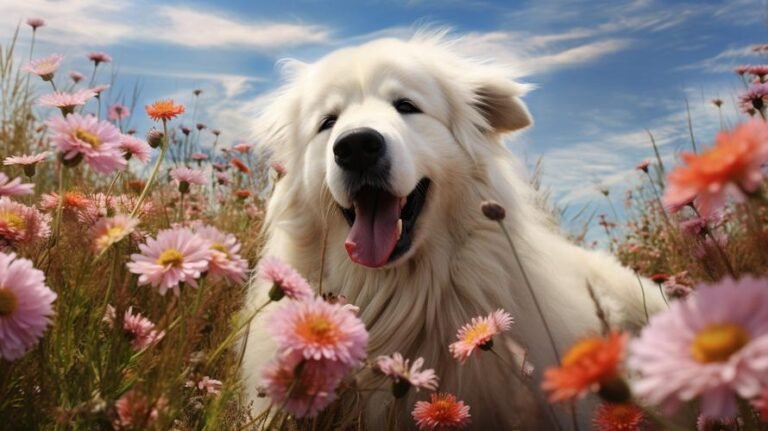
[605, 70]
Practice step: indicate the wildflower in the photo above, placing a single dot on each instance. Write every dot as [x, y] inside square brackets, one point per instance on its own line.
[220, 167]
[199, 157]
[711, 344]
[733, 166]
[200, 126]
[755, 97]
[592, 363]
[111, 230]
[99, 57]
[761, 405]
[694, 227]
[141, 330]
[185, 130]
[443, 411]
[643, 166]
[134, 147]
[72, 201]
[76, 76]
[405, 377]
[659, 278]
[185, 176]
[760, 71]
[479, 333]
[253, 211]
[66, 101]
[223, 179]
[164, 110]
[279, 169]
[134, 411]
[226, 262]
[98, 142]
[175, 256]
[99, 89]
[240, 166]
[286, 281]
[45, 67]
[14, 187]
[741, 70]
[318, 330]
[28, 163]
[25, 306]
[617, 417]
[493, 211]
[717, 102]
[242, 194]
[35, 23]
[216, 132]
[20, 224]
[678, 285]
[118, 111]
[155, 138]
[302, 387]
[208, 385]
[242, 147]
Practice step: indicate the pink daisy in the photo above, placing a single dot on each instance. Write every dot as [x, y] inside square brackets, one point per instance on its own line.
[20, 224]
[479, 333]
[134, 411]
[109, 231]
[318, 330]
[135, 147]
[187, 175]
[207, 385]
[219, 166]
[441, 412]
[759, 70]
[755, 97]
[35, 23]
[199, 157]
[141, 330]
[118, 111]
[25, 306]
[76, 76]
[242, 147]
[711, 345]
[100, 89]
[14, 187]
[302, 387]
[175, 256]
[223, 179]
[97, 141]
[279, 168]
[286, 280]
[405, 376]
[225, 262]
[66, 101]
[28, 163]
[99, 57]
[45, 67]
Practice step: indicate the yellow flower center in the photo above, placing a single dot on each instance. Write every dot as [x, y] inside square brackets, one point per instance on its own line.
[8, 302]
[317, 329]
[171, 257]
[111, 236]
[220, 247]
[13, 220]
[583, 349]
[716, 343]
[89, 138]
[476, 332]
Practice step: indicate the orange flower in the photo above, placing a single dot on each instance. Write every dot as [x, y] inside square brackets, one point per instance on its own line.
[240, 166]
[733, 164]
[591, 363]
[164, 110]
[443, 411]
[243, 193]
[617, 417]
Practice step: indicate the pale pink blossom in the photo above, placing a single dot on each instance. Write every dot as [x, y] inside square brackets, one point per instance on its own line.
[118, 111]
[226, 262]
[66, 101]
[99, 57]
[35, 23]
[135, 147]
[21, 225]
[187, 175]
[45, 67]
[479, 333]
[287, 280]
[135, 412]
[110, 230]
[98, 142]
[27, 162]
[76, 76]
[401, 371]
[14, 187]
[242, 147]
[141, 330]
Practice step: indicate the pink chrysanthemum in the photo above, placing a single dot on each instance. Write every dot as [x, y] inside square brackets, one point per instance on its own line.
[398, 369]
[175, 256]
[135, 147]
[45, 67]
[479, 333]
[711, 345]
[141, 330]
[14, 187]
[20, 224]
[287, 280]
[109, 231]
[98, 89]
[198, 157]
[755, 97]
[134, 411]
[441, 412]
[26, 160]
[35, 23]
[76, 76]
[242, 147]
[98, 142]
[25, 306]
[318, 330]
[223, 179]
[758, 70]
[226, 262]
[66, 101]
[99, 57]
[208, 385]
[118, 111]
[190, 176]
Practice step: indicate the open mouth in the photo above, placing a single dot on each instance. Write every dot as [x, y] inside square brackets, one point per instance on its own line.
[381, 224]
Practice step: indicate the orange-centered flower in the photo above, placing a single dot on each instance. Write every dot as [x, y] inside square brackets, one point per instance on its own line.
[164, 110]
[617, 417]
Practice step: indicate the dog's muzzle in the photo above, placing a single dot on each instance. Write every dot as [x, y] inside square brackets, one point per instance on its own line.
[361, 151]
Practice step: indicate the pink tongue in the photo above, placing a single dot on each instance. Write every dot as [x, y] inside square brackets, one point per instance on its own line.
[373, 236]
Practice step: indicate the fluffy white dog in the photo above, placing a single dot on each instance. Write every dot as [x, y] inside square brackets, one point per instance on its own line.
[390, 148]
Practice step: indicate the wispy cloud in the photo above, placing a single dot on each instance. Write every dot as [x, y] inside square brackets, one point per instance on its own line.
[724, 61]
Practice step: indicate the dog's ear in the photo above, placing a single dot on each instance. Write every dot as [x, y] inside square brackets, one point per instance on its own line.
[498, 100]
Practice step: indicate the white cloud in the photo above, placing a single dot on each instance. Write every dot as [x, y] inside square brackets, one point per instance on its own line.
[725, 61]
[232, 84]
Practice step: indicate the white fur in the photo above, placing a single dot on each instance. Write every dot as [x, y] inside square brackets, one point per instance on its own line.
[460, 265]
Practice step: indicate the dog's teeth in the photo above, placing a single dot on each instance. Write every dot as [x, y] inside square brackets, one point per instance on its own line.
[399, 228]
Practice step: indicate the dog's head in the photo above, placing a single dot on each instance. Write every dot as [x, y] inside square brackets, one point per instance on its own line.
[383, 127]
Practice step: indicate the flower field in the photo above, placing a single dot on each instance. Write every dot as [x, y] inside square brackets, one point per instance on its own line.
[125, 258]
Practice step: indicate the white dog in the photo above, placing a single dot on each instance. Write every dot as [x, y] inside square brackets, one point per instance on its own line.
[390, 148]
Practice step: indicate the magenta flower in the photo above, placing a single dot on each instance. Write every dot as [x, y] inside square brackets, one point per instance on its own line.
[135, 147]
[226, 262]
[175, 256]
[99, 57]
[141, 330]
[35, 23]
[286, 280]
[318, 330]
[44, 67]
[66, 101]
[405, 376]
[711, 345]
[479, 333]
[25, 306]
[117, 112]
[14, 187]
[76, 76]
[98, 142]
[20, 224]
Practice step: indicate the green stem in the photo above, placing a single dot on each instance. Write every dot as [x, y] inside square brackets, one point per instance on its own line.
[642, 291]
[155, 169]
[234, 334]
[60, 204]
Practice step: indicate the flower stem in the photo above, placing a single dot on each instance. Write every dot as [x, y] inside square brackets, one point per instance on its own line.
[234, 334]
[642, 291]
[155, 169]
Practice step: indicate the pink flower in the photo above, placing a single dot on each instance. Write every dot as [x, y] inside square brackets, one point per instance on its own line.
[226, 263]
[28, 163]
[14, 187]
[643, 166]
[99, 57]
[97, 141]
[109, 231]
[302, 387]
[44, 67]
[759, 70]
[761, 405]
[209, 385]
[66, 101]
[141, 330]
[223, 179]
[134, 411]
[76, 76]
[117, 112]
[479, 333]
[287, 280]
[711, 345]
[315, 329]
[35, 23]
[442, 412]
[398, 369]
[100, 89]
[189, 176]
[199, 156]
[176, 256]
[754, 98]
[279, 168]
[25, 306]
[20, 224]
[135, 147]
[242, 147]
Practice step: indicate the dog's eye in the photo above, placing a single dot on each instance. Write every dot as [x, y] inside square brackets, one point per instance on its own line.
[405, 106]
[327, 123]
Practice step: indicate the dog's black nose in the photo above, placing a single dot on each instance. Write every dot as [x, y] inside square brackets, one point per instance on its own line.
[358, 149]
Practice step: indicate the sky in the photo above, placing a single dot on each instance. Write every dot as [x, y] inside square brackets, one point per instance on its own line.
[606, 71]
